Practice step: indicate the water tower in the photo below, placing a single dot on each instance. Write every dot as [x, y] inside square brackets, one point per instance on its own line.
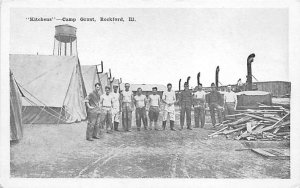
[65, 43]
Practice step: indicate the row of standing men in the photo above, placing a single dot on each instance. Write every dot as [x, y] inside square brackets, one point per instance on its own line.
[110, 107]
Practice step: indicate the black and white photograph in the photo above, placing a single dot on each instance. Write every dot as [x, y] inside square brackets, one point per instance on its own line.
[148, 93]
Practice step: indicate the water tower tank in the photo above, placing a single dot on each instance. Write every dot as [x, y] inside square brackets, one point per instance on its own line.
[65, 42]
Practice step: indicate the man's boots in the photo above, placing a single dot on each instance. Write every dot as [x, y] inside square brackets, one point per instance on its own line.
[172, 125]
[116, 124]
[164, 123]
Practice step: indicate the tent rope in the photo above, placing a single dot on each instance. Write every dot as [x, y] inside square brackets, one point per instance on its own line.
[42, 109]
[39, 100]
[36, 117]
[35, 98]
[58, 114]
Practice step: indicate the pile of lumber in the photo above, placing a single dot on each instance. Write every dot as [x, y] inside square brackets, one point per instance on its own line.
[264, 123]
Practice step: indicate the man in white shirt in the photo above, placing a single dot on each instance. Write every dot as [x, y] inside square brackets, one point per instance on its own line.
[116, 107]
[199, 106]
[154, 100]
[140, 110]
[106, 101]
[169, 99]
[230, 101]
[127, 107]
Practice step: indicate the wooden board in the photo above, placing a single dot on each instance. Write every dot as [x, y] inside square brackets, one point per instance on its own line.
[273, 153]
[261, 118]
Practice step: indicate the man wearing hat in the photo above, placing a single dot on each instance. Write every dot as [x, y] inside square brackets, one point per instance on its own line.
[185, 102]
[199, 106]
[116, 108]
[214, 98]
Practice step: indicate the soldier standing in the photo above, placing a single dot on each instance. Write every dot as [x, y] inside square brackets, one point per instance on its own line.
[214, 99]
[199, 106]
[169, 99]
[106, 102]
[116, 107]
[93, 113]
[185, 103]
[140, 110]
[230, 101]
[154, 101]
[127, 107]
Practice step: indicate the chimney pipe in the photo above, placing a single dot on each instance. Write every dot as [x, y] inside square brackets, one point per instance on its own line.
[249, 71]
[101, 68]
[188, 80]
[198, 79]
[179, 86]
[217, 76]
[109, 73]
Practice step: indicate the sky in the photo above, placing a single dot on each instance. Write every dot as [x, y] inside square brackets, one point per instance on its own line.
[166, 44]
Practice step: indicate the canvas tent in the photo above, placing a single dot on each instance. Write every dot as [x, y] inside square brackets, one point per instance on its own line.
[52, 86]
[90, 77]
[16, 125]
[104, 80]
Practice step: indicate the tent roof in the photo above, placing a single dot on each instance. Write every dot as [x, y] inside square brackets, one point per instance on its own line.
[46, 77]
[145, 87]
[90, 77]
[104, 80]
[116, 82]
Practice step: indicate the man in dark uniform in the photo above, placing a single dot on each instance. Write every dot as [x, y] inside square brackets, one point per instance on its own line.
[185, 103]
[214, 98]
[93, 113]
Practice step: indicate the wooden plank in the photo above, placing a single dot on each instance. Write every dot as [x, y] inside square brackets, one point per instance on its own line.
[259, 111]
[235, 115]
[239, 121]
[217, 132]
[261, 118]
[263, 152]
[285, 152]
[272, 126]
[283, 134]
[272, 153]
[243, 149]
[234, 130]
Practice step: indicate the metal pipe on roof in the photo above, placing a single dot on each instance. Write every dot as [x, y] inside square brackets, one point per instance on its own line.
[188, 80]
[179, 86]
[109, 74]
[101, 68]
[198, 78]
[249, 72]
[217, 76]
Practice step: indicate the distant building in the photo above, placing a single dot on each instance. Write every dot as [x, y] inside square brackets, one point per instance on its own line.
[276, 88]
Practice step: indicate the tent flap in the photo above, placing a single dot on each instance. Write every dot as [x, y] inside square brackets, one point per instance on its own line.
[16, 130]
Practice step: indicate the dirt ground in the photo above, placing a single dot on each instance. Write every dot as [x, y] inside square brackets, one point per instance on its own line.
[50, 151]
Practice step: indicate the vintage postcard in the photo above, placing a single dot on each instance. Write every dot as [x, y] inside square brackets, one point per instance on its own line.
[150, 94]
